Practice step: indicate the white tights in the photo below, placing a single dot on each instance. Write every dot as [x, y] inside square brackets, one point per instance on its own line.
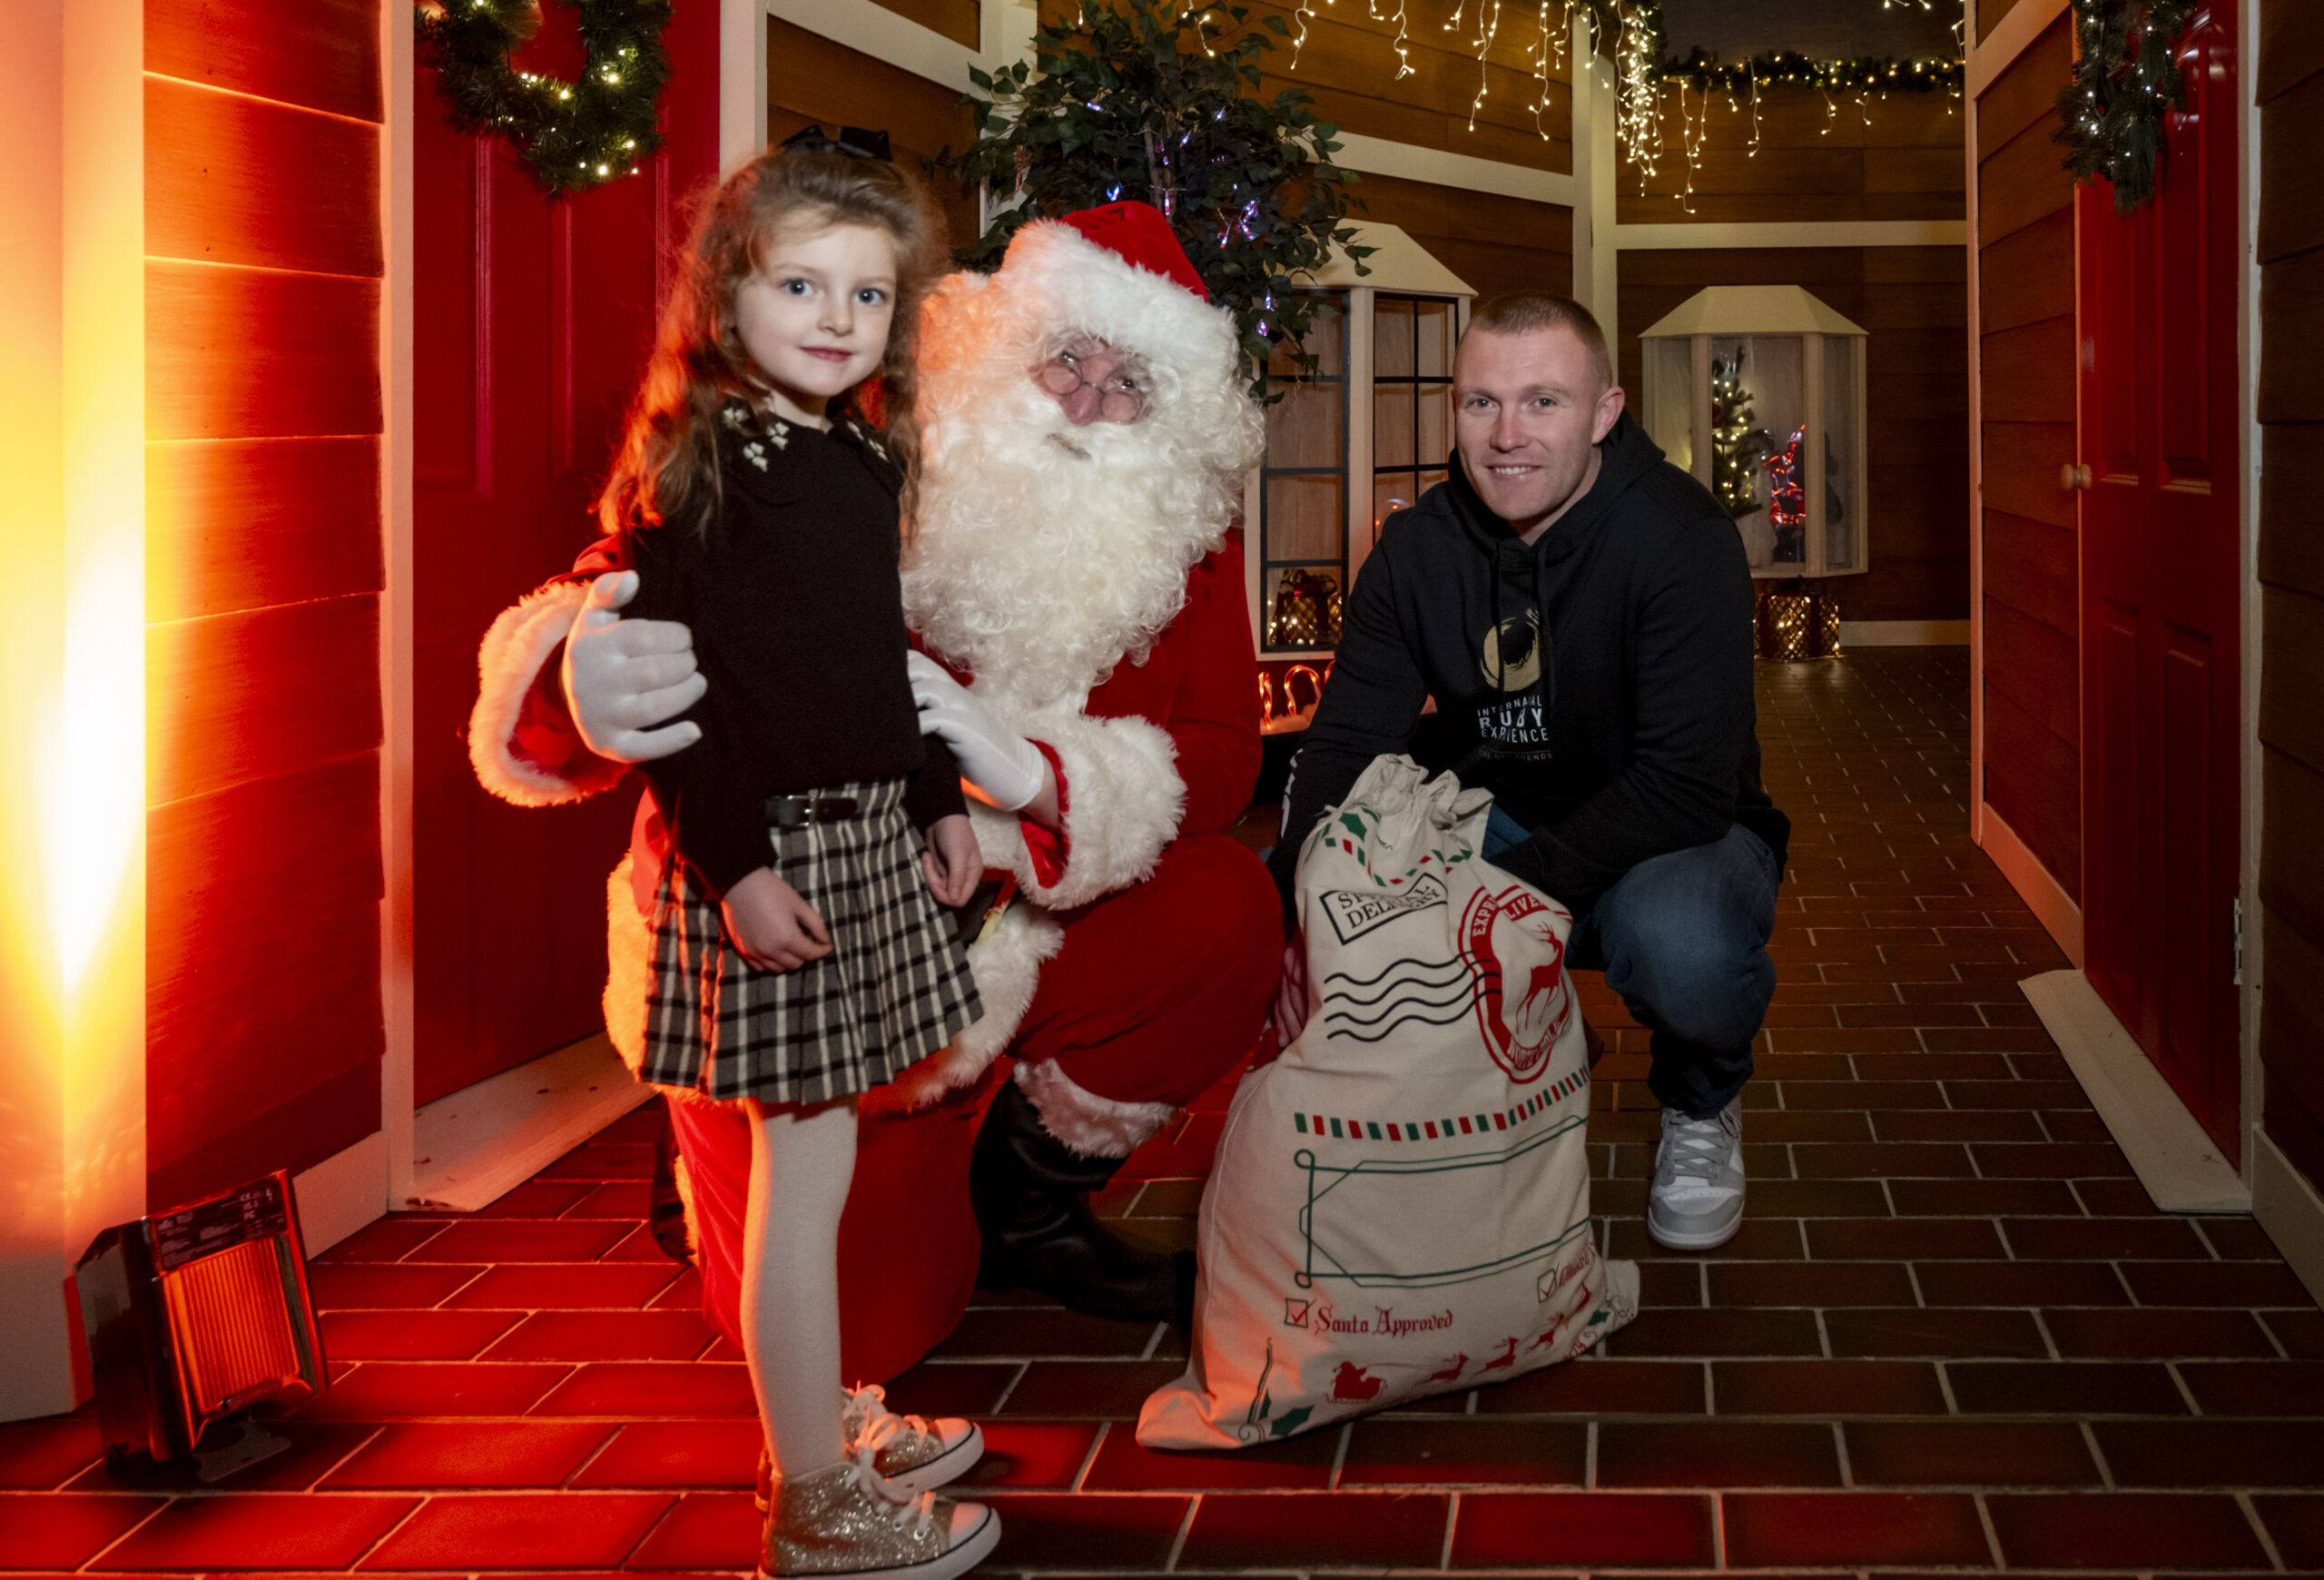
[802, 1160]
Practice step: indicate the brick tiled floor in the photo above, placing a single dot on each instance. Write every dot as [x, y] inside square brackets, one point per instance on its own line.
[1953, 1335]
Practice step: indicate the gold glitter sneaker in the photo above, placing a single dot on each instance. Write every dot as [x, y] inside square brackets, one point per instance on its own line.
[910, 1453]
[845, 1520]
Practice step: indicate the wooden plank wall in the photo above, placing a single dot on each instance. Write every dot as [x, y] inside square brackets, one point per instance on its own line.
[2032, 666]
[1987, 14]
[2290, 93]
[1857, 156]
[1349, 66]
[1493, 243]
[811, 78]
[264, 260]
[961, 21]
[1906, 165]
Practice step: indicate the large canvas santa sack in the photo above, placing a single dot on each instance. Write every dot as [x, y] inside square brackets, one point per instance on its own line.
[1401, 1202]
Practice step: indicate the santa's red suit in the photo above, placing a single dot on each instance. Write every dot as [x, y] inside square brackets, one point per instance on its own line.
[1085, 582]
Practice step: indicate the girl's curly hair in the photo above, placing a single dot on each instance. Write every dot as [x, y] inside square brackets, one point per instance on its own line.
[667, 467]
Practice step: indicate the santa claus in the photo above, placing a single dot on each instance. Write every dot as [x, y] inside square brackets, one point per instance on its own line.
[1074, 579]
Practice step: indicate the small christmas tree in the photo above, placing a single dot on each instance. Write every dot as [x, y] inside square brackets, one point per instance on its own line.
[1731, 447]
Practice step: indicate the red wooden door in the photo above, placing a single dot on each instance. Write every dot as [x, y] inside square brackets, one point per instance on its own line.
[2162, 655]
[532, 320]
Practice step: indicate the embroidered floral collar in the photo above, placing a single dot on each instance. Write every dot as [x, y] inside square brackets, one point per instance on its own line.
[761, 428]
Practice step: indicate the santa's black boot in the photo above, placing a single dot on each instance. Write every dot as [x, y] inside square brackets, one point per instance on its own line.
[1030, 1193]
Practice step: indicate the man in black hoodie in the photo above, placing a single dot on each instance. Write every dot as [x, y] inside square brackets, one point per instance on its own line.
[1580, 611]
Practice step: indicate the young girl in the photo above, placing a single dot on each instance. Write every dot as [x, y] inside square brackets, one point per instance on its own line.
[800, 957]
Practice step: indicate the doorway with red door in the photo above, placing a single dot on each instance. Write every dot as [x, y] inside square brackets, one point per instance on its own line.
[2159, 474]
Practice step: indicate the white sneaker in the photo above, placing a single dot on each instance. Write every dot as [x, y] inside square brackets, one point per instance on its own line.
[912, 1453]
[1697, 1201]
[843, 1519]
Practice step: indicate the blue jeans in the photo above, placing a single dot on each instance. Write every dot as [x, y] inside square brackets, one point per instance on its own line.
[1683, 939]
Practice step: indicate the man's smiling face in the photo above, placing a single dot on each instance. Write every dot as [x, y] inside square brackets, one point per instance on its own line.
[1532, 407]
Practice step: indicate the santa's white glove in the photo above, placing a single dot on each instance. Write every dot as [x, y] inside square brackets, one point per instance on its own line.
[1000, 764]
[622, 677]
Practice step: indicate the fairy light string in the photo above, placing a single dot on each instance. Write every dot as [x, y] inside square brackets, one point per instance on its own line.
[1640, 72]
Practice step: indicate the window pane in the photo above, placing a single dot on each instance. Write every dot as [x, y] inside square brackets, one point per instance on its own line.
[1843, 523]
[1392, 426]
[1669, 418]
[1323, 338]
[1304, 518]
[1433, 331]
[1392, 337]
[1304, 429]
[1392, 492]
[1436, 414]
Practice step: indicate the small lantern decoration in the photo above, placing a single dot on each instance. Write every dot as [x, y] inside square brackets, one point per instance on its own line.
[1798, 619]
[1362, 436]
[1758, 390]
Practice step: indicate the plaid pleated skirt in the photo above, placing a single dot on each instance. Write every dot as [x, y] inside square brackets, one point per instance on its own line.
[894, 988]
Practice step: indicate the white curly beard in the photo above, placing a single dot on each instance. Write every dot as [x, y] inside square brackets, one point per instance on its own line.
[1043, 554]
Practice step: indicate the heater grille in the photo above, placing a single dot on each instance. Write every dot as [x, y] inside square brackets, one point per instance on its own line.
[233, 1326]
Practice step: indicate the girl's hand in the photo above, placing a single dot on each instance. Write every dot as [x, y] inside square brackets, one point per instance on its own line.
[771, 925]
[953, 864]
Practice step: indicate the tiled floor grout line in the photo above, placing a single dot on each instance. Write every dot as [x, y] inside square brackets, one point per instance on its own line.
[1945, 1388]
[2097, 1455]
[1001, 1403]
[2171, 1369]
[2048, 1340]
[1993, 1535]
[1185, 1529]
[1089, 1457]
[2259, 1530]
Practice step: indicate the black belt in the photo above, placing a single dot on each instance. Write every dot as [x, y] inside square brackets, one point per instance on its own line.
[797, 810]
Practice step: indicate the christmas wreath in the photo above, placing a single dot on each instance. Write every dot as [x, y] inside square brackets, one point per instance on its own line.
[570, 135]
[2126, 79]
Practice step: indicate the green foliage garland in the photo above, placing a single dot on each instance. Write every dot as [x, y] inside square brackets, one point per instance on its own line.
[2125, 81]
[571, 136]
[1141, 100]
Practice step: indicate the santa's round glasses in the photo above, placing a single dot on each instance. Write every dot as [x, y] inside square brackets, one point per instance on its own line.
[1121, 398]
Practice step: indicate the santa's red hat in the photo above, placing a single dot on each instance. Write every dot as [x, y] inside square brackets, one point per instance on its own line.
[1119, 273]
[1138, 233]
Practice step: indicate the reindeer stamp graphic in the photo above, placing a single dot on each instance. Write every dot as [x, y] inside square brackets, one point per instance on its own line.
[1522, 1011]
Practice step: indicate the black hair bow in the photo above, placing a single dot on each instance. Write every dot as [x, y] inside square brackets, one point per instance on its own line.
[852, 141]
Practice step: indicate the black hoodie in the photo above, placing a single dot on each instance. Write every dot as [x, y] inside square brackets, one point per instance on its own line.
[1598, 683]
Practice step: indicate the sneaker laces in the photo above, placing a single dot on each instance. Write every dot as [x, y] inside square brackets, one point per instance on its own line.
[1695, 1150]
[917, 1511]
[871, 1424]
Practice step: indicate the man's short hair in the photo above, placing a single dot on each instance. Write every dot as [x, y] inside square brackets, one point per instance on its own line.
[1519, 312]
